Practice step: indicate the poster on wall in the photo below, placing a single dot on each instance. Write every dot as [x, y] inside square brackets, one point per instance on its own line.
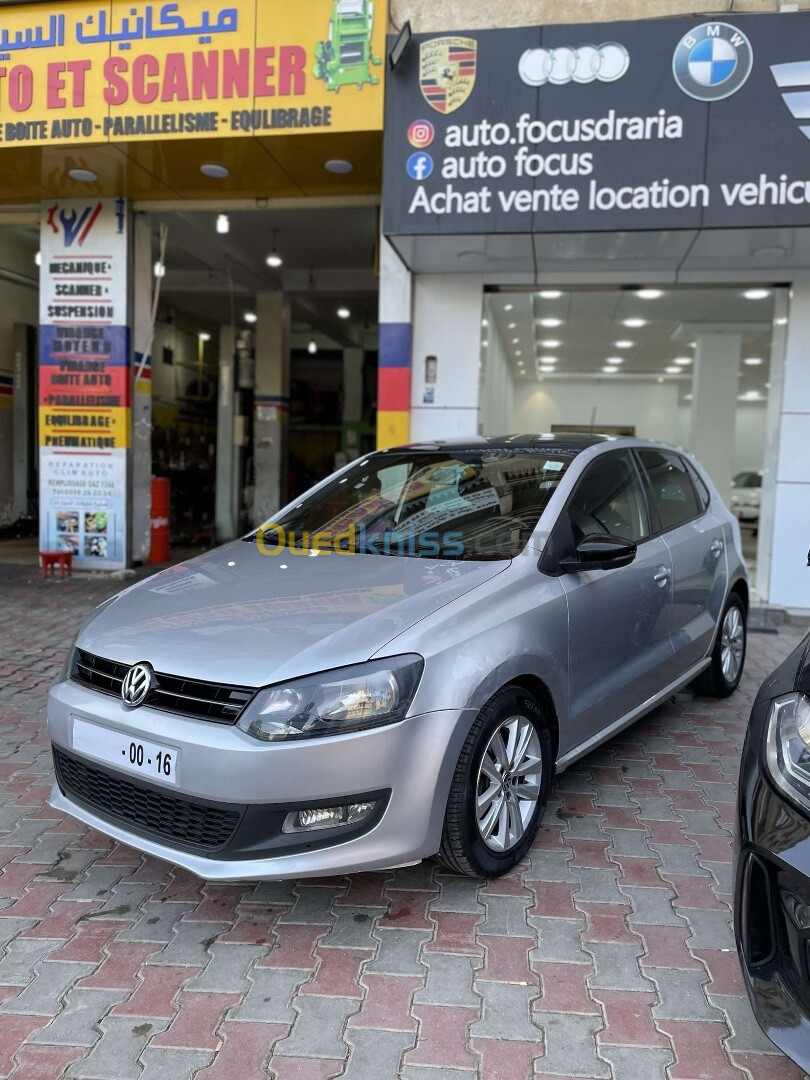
[84, 381]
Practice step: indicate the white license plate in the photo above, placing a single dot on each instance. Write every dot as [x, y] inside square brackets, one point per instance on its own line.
[147, 759]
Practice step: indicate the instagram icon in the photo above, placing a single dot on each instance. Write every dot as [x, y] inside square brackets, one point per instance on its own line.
[421, 133]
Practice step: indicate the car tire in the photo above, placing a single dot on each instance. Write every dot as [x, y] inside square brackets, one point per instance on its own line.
[722, 676]
[509, 718]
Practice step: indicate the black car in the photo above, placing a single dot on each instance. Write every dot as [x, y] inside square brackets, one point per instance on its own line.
[772, 880]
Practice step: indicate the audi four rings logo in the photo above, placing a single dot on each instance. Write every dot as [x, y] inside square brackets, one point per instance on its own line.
[137, 684]
[604, 63]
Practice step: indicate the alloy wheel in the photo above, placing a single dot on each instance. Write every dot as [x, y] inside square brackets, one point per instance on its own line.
[508, 784]
[732, 643]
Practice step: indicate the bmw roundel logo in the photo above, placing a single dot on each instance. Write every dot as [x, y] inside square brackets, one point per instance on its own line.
[712, 61]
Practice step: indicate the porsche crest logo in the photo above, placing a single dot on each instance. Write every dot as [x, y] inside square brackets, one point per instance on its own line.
[447, 71]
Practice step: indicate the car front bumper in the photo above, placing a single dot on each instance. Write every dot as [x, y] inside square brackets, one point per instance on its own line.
[407, 767]
[772, 902]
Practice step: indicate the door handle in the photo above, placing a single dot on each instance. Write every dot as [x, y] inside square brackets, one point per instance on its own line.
[716, 548]
[661, 578]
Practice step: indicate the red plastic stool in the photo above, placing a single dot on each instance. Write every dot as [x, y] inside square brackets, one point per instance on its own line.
[48, 560]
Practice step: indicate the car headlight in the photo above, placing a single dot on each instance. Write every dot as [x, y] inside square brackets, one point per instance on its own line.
[334, 702]
[789, 747]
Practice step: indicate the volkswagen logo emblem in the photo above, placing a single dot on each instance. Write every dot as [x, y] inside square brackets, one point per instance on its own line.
[137, 684]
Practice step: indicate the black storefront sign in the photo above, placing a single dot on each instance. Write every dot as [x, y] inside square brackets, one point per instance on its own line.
[681, 123]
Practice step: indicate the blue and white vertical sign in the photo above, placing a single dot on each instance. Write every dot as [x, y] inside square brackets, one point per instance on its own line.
[85, 381]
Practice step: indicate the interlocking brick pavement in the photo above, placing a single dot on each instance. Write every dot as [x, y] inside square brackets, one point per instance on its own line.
[607, 954]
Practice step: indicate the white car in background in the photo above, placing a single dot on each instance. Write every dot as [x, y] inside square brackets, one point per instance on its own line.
[745, 493]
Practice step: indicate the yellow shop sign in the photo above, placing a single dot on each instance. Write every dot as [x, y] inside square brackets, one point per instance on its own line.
[102, 72]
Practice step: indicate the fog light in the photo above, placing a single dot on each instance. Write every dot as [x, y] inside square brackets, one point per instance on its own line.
[327, 817]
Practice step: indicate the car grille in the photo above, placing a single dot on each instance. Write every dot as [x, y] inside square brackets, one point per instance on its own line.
[191, 697]
[144, 808]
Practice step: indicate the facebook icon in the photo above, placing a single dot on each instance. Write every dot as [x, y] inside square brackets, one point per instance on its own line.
[419, 166]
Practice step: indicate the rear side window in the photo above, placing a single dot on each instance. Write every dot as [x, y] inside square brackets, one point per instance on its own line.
[672, 489]
[702, 491]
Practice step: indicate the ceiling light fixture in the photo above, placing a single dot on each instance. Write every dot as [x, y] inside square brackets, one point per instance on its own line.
[671, 370]
[38, 258]
[214, 170]
[274, 260]
[515, 340]
[550, 343]
[223, 224]
[550, 323]
[649, 294]
[508, 307]
[610, 370]
[682, 361]
[634, 323]
[251, 317]
[204, 335]
[86, 176]
[624, 343]
[756, 294]
[518, 352]
[159, 269]
[614, 360]
[550, 294]
[752, 361]
[339, 166]
[485, 322]
[546, 369]
[512, 325]
[343, 313]
[312, 348]
[546, 359]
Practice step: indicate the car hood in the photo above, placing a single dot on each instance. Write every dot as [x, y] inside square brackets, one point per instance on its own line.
[238, 616]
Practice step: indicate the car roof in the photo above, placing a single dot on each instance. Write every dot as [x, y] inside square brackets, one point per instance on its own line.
[571, 442]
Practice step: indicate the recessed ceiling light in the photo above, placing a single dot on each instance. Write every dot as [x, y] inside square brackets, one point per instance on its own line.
[614, 360]
[251, 316]
[649, 294]
[86, 176]
[551, 322]
[223, 224]
[484, 344]
[38, 258]
[515, 340]
[512, 325]
[550, 343]
[682, 361]
[159, 269]
[204, 335]
[634, 323]
[485, 322]
[312, 348]
[625, 343]
[546, 359]
[546, 369]
[508, 307]
[214, 170]
[688, 397]
[781, 321]
[767, 386]
[756, 294]
[518, 352]
[610, 370]
[338, 165]
[750, 395]
[671, 370]
[752, 361]
[343, 313]
[550, 294]
[660, 378]
[274, 260]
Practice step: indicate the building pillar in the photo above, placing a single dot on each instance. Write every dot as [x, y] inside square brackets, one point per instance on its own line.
[786, 473]
[225, 494]
[271, 405]
[446, 354]
[714, 402]
[143, 337]
[352, 402]
[394, 353]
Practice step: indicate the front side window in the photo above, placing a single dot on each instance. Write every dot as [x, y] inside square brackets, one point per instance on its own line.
[672, 487]
[609, 500]
[446, 504]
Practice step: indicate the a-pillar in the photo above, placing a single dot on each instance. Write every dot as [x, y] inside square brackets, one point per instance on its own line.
[714, 401]
[352, 401]
[271, 404]
[786, 483]
[446, 355]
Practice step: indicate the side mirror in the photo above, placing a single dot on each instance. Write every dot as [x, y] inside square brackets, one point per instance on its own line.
[599, 552]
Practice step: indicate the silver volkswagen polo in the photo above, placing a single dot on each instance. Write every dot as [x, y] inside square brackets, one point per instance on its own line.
[397, 664]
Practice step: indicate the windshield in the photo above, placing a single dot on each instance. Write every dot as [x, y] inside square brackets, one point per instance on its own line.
[462, 504]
